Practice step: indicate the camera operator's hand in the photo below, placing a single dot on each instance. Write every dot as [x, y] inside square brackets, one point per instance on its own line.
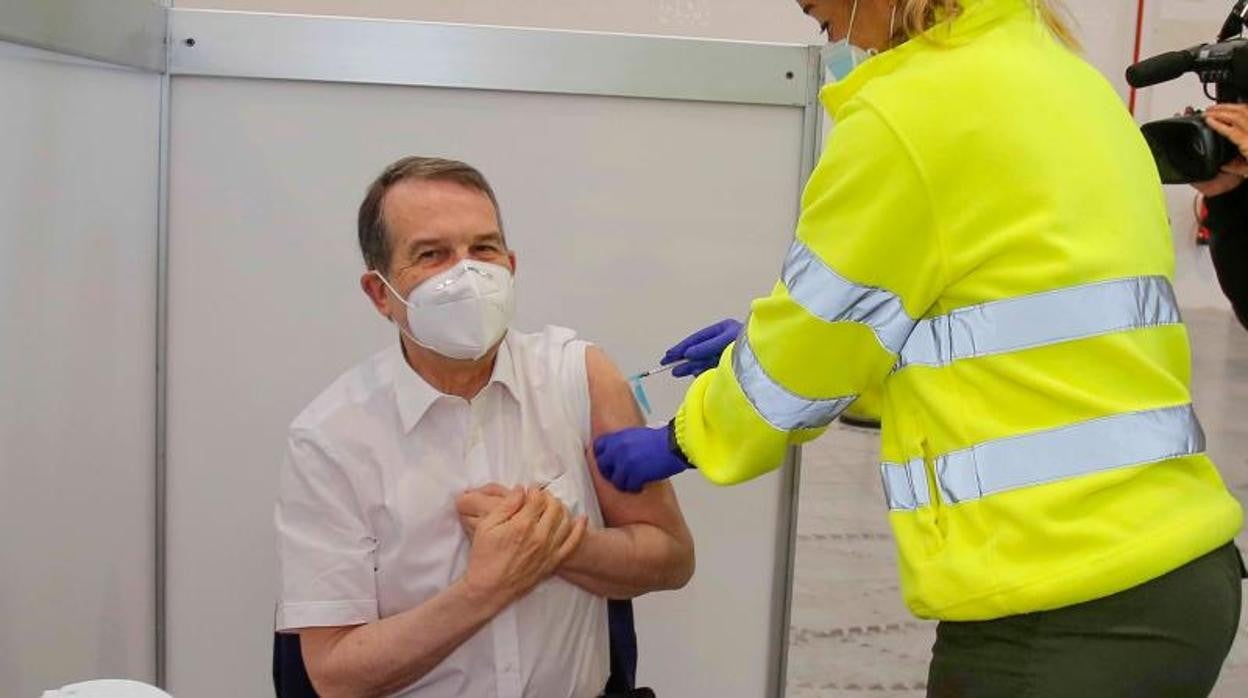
[1230, 120]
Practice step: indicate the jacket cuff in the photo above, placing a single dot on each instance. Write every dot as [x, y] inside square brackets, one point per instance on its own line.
[673, 443]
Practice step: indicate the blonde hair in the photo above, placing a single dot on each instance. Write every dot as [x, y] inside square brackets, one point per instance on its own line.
[918, 16]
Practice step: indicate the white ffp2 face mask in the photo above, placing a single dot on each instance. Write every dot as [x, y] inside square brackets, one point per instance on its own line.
[460, 313]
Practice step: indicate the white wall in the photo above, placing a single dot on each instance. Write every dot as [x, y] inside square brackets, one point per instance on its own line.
[1107, 30]
[78, 190]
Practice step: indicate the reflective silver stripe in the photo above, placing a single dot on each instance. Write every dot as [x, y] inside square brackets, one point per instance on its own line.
[905, 485]
[831, 297]
[775, 403]
[1120, 441]
[1042, 319]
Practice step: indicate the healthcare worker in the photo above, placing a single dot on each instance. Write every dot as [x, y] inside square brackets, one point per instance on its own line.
[985, 238]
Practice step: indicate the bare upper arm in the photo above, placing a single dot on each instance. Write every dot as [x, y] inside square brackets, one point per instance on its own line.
[613, 408]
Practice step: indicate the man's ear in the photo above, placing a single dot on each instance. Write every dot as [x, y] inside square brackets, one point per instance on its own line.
[511, 255]
[376, 291]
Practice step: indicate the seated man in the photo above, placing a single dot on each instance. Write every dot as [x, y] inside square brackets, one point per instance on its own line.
[440, 529]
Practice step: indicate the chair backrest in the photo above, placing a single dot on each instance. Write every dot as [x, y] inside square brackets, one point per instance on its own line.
[622, 632]
[290, 676]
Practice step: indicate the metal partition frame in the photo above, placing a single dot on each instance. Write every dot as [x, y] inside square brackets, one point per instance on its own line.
[339, 49]
[162, 388]
[786, 539]
[128, 33]
[144, 35]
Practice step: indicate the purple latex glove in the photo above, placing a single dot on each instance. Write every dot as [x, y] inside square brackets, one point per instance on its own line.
[633, 457]
[702, 348]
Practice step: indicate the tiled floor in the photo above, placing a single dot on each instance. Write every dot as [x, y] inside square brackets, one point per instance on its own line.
[852, 636]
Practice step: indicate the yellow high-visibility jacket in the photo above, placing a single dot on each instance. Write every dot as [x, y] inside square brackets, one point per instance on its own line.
[985, 236]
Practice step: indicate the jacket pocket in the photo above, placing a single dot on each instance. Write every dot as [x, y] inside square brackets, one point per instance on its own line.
[936, 507]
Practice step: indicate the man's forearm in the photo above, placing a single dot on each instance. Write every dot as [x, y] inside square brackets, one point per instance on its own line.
[628, 561]
[382, 657]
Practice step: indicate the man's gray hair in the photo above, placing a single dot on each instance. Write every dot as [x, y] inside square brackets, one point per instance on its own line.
[374, 240]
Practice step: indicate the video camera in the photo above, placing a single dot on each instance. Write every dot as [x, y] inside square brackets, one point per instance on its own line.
[1185, 148]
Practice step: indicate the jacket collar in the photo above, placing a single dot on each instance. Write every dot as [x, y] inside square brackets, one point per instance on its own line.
[977, 18]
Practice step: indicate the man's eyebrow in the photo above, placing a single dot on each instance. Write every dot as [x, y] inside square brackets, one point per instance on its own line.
[807, 7]
[493, 236]
[418, 244]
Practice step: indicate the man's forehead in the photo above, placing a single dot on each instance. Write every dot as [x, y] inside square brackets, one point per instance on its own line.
[436, 195]
[437, 207]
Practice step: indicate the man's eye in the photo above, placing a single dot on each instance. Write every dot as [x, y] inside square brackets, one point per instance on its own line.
[428, 255]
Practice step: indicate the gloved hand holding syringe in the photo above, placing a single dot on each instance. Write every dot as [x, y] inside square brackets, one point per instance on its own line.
[633, 457]
[639, 390]
[695, 354]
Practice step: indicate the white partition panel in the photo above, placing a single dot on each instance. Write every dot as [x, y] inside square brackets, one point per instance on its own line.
[78, 223]
[635, 221]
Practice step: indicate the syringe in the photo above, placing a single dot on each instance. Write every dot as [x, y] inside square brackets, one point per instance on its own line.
[657, 370]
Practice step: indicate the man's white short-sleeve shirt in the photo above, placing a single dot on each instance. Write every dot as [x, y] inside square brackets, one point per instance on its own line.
[366, 519]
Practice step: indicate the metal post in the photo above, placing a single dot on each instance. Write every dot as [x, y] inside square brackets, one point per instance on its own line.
[791, 484]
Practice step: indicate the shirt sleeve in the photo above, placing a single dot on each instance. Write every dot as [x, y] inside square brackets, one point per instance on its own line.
[325, 549]
[568, 367]
[865, 265]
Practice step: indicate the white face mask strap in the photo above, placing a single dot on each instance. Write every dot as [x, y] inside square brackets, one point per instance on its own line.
[387, 283]
[402, 329]
[402, 300]
[853, 13]
[892, 23]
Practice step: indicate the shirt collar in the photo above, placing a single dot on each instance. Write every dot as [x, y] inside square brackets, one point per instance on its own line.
[414, 396]
[978, 16]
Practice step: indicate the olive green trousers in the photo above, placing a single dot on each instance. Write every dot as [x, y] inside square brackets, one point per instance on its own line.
[1166, 638]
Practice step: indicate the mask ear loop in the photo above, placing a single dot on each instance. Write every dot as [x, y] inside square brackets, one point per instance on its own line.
[398, 325]
[391, 288]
